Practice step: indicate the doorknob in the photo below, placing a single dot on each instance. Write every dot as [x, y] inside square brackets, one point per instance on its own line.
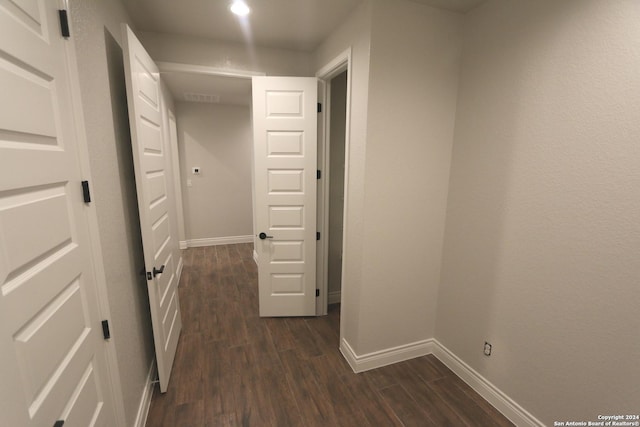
[263, 236]
[156, 271]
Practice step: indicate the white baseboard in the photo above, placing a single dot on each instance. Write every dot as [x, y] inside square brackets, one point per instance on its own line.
[145, 400]
[183, 244]
[334, 297]
[492, 394]
[255, 256]
[385, 357]
[214, 241]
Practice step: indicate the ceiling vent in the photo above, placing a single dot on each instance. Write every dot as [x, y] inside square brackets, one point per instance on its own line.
[202, 97]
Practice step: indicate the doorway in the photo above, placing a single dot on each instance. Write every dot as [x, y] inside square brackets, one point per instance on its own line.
[336, 140]
[333, 160]
[214, 128]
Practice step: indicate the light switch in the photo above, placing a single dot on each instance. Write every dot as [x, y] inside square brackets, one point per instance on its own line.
[189, 183]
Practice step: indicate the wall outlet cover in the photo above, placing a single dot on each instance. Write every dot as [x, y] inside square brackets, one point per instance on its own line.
[487, 349]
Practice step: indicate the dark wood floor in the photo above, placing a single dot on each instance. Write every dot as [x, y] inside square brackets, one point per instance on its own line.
[236, 369]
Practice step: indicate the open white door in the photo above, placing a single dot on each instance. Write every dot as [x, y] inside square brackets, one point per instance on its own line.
[150, 158]
[53, 367]
[285, 140]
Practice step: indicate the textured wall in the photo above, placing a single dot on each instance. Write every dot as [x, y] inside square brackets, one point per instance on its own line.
[97, 35]
[355, 32]
[415, 55]
[404, 81]
[543, 223]
[218, 139]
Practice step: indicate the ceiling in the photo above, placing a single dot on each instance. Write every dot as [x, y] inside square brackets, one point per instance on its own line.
[286, 24]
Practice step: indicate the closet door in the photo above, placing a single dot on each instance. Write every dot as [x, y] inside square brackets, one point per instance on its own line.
[153, 178]
[53, 365]
[285, 153]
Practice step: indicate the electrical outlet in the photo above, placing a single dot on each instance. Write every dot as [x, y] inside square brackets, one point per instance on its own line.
[487, 349]
[196, 170]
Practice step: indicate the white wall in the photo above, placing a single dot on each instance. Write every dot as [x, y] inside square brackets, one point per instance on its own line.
[218, 139]
[543, 223]
[403, 96]
[354, 33]
[97, 39]
[415, 55]
[224, 55]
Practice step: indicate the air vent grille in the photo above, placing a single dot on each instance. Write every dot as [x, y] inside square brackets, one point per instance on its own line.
[202, 97]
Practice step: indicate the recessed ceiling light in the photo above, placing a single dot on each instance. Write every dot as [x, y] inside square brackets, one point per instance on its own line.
[240, 8]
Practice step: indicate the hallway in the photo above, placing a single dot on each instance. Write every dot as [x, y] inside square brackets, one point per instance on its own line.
[233, 368]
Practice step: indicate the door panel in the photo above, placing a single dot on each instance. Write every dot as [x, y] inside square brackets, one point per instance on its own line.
[285, 138]
[52, 355]
[152, 170]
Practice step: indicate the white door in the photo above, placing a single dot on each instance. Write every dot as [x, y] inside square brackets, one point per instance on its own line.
[52, 354]
[285, 140]
[150, 158]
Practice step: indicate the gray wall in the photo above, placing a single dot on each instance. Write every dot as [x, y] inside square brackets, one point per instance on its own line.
[543, 221]
[354, 33]
[218, 139]
[99, 56]
[413, 83]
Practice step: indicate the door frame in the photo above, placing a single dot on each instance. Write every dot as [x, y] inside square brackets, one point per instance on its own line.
[177, 184]
[342, 62]
[175, 67]
[115, 385]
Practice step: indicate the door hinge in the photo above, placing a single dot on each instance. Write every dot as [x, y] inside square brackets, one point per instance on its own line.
[105, 330]
[58, 423]
[319, 107]
[64, 23]
[317, 235]
[317, 293]
[86, 194]
[318, 174]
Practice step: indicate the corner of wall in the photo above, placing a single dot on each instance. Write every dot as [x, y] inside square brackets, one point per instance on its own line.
[354, 33]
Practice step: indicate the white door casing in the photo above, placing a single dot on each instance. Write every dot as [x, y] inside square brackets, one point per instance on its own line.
[52, 354]
[151, 164]
[173, 135]
[321, 200]
[285, 144]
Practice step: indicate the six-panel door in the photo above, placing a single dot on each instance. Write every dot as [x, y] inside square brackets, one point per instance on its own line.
[285, 140]
[152, 171]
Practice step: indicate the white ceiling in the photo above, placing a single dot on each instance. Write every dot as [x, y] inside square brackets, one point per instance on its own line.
[286, 24]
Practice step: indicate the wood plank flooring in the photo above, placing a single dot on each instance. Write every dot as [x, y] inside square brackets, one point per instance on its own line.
[235, 369]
